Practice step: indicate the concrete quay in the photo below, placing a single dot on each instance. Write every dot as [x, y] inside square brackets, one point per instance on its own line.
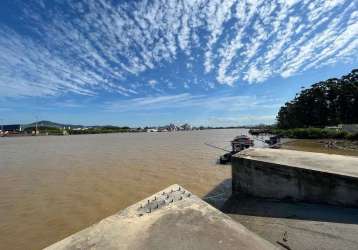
[296, 176]
[287, 224]
[296, 225]
[170, 219]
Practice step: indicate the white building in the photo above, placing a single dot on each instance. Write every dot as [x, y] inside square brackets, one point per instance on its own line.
[350, 128]
[186, 127]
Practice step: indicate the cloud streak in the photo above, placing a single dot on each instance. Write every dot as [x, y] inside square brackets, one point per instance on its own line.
[86, 47]
[228, 103]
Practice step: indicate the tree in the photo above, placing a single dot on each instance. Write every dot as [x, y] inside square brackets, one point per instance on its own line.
[325, 103]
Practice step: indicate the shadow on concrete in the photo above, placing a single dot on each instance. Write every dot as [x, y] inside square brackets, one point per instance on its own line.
[220, 197]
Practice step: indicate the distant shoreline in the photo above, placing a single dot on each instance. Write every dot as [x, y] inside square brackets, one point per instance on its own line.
[16, 135]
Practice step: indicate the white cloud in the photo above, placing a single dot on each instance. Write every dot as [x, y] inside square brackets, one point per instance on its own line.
[103, 44]
[152, 83]
[229, 103]
[256, 75]
[240, 120]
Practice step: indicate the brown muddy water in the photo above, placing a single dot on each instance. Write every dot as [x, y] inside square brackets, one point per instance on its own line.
[51, 187]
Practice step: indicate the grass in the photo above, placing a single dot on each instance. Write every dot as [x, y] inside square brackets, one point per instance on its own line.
[314, 133]
[341, 147]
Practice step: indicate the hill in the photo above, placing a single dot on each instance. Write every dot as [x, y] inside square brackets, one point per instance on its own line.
[52, 124]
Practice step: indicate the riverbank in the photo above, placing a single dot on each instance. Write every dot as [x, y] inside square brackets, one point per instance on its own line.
[328, 146]
[319, 140]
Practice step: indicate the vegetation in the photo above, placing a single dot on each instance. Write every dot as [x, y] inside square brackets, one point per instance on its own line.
[45, 130]
[306, 133]
[262, 129]
[100, 130]
[325, 103]
[50, 130]
[45, 123]
[312, 133]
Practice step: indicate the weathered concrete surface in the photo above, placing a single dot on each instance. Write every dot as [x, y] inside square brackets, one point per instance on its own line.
[170, 219]
[307, 226]
[296, 175]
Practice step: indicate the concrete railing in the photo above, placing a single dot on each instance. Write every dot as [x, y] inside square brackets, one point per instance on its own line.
[296, 175]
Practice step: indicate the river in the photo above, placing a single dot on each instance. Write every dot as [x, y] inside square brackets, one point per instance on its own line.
[53, 186]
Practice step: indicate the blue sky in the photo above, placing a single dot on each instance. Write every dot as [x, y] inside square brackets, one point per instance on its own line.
[140, 63]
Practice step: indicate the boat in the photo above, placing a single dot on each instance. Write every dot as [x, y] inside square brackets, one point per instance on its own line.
[273, 142]
[238, 144]
[241, 142]
[225, 158]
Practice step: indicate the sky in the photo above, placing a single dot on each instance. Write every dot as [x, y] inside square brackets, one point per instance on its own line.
[154, 62]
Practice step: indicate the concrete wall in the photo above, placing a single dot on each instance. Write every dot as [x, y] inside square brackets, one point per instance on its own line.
[295, 175]
[350, 128]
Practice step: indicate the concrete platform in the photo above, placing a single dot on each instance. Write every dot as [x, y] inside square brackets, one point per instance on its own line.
[296, 175]
[297, 225]
[329, 163]
[171, 219]
[307, 226]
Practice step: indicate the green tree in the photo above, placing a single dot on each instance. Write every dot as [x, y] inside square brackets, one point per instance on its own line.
[325, 103]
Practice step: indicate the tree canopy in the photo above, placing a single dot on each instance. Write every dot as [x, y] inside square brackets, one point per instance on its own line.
[325, 103]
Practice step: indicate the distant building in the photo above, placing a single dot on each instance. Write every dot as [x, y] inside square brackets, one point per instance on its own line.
[350, 128]
[79, 129]
[12, 128]
[335, 128]
[168, 128]
[162, 129]
[151, 130]
[172, 127]
[186, 127]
